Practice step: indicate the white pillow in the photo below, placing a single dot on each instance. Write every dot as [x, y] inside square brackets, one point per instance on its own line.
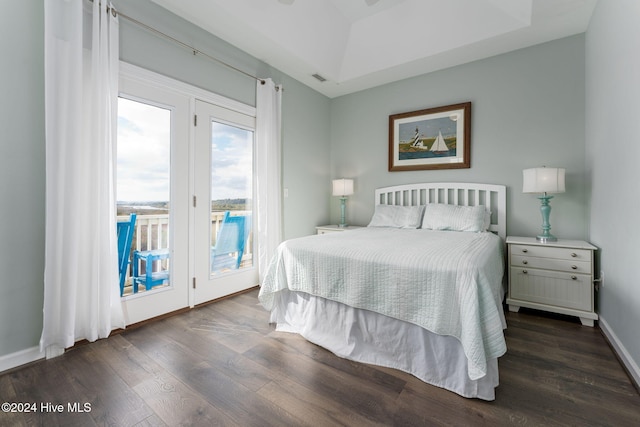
[455, 218]
[396, 216]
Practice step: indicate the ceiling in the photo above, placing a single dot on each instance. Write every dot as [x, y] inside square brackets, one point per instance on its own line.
[355, 46]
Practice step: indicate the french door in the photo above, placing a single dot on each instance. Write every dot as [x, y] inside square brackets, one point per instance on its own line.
[224, 261]
[152, 182]
[190, 185]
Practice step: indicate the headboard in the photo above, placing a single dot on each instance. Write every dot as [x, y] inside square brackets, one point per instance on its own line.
[494, 197]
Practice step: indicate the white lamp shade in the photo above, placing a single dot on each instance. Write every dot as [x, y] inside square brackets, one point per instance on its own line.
[543, 180]
[342, 187]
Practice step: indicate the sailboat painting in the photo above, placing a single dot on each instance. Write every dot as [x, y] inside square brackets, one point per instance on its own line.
[436, 138]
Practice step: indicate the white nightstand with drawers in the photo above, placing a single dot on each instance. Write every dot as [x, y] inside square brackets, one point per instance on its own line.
[324, 229]
[552, 276]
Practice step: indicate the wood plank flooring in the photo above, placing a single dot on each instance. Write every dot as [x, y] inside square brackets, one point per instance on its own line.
[223, 364]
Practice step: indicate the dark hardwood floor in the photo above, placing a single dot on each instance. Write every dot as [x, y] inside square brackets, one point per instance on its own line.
[223, 364]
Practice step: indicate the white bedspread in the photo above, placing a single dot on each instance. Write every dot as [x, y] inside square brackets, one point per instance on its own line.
[449, 283]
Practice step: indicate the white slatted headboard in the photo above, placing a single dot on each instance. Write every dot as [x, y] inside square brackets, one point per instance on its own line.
[453, 193]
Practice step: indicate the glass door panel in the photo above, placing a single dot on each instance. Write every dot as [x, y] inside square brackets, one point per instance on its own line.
[231, 201]
[143, 188]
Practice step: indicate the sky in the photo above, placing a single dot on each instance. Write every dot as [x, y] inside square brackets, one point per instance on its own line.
[427, 128]
[231, 162]
[144, 148]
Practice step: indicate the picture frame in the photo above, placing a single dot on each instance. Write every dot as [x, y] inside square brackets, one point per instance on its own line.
[434, 138]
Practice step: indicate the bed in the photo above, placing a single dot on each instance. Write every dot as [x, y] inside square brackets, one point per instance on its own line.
[420, 289]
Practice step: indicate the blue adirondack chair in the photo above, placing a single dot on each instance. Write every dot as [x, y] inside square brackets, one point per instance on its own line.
[150, 278]
[230, 242]
[125, 238]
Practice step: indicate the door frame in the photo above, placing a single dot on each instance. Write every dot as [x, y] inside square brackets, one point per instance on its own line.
[192, 93]
[156, 302]
[210, 287]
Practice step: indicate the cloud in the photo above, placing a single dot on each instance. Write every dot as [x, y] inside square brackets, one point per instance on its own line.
[144, 150]
[231, 162]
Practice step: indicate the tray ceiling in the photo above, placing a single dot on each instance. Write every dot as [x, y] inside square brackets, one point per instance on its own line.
[355, 46]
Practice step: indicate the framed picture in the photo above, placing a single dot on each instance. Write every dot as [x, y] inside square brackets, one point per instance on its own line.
[435, 138]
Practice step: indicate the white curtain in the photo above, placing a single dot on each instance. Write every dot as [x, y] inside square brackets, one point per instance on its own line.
[81, 291]
[268, 174]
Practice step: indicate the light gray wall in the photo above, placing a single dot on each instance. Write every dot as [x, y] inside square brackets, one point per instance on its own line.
[527, 111]
[22, 165]
[613, 151]
[22, 183]
[306, 170]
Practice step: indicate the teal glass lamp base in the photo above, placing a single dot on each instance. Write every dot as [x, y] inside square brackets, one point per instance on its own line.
[545, 239]
[545, 210]
[342, 224]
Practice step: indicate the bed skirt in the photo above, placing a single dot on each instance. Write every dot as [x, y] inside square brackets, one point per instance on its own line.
[368, 337]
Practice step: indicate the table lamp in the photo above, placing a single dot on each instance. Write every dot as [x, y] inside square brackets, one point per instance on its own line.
[544, 180]
[343, 188]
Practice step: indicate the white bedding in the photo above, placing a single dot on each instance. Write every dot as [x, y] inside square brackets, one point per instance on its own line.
[368, 337]
[449, 283]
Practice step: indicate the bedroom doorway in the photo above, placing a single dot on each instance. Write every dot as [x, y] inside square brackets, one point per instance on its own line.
[223, 202]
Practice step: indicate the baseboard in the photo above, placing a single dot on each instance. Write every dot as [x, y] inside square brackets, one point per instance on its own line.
[19, 358]
[630, 365]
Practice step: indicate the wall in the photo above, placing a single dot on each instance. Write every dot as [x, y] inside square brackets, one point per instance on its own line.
[22, 156]
[22, 183]
[527, 111]
[613, 150]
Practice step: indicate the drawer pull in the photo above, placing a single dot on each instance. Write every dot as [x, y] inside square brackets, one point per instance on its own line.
[525, 251]
[574, 278]
[524, 271]
[573, 254]
[574, 267]
[525, 262]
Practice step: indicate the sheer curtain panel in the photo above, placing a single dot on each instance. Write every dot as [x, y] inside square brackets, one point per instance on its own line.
[81, 292]
[268, 174]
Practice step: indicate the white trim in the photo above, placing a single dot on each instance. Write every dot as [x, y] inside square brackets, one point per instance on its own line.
[192, 210]
[621, 351]
[167, 83]
[19, 358]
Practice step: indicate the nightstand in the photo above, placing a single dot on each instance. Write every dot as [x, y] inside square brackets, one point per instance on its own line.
[324, 229]
[552, 276]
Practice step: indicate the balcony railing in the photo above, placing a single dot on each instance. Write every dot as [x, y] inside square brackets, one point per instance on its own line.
[152, 232]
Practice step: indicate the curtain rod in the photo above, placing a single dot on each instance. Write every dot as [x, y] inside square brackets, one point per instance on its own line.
[195, 51]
